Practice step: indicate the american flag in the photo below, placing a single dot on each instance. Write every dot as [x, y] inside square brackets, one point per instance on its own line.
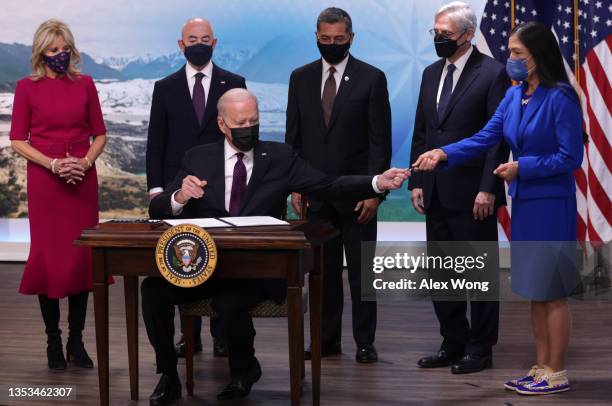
[594, 26]
[498, 19]
[591, 49]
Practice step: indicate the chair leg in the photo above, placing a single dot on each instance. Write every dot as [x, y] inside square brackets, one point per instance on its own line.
[189, 344]
[303, 362]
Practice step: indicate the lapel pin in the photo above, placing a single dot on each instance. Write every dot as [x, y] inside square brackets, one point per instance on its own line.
[346, 78]
[264, 154]
[223, 82]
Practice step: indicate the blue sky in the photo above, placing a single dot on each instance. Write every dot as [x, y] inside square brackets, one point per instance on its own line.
[138, 27]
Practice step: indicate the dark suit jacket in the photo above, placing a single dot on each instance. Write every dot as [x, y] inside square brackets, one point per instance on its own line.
[480, 88]
[277, 171]
[173, 125]
[358, 140]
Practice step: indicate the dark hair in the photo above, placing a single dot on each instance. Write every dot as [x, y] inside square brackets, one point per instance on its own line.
[332, 15]
[544, 49]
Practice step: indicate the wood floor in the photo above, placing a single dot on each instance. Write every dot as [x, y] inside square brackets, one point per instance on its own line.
[406, 331]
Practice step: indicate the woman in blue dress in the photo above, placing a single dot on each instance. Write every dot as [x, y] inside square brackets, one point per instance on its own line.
[541, 120]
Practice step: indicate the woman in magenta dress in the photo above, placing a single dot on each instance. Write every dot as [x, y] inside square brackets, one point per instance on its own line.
[55, 112]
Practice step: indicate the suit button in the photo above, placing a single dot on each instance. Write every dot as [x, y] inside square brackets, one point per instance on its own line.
[439, 131]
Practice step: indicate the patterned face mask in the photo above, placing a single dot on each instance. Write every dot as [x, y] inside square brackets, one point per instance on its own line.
[58, 63]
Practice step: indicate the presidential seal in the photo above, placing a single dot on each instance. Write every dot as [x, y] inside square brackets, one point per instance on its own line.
[186, 255]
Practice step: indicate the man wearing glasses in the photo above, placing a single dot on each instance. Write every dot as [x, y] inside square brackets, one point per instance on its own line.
[459, 93]
[339, 121]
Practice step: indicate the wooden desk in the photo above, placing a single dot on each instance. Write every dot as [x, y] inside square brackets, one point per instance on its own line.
[280, 252]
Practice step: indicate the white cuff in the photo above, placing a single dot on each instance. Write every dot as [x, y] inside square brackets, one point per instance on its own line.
[156, 190]
[177, 207]
[375, 186]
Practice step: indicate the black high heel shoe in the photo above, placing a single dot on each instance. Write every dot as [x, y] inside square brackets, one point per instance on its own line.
[55, 355]
[76, 353]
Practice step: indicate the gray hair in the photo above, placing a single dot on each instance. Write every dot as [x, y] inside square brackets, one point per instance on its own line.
[460, 13]
[332, 15]
[235, 95]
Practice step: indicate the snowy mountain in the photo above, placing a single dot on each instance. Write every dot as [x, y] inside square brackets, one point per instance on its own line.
[120, 62]
[130, 101]
[149, 66]
[125, 101]
[6, 103]
[15, 64]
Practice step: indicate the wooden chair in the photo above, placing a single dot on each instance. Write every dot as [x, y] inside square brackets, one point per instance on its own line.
[267, 308]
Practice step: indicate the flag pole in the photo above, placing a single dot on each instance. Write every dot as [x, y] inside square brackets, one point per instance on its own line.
[577, 49]
[512, 24]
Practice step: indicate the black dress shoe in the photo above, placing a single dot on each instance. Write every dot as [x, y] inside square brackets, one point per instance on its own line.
[472, 363]
[441, 359]
[76, 353]
[181, 347]
[327, 350]
[240, 387]
[219, 347]
[55, 355]
[366, 354]
[168, 390]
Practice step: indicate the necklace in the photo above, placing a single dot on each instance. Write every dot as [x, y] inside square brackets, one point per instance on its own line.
[525, 99]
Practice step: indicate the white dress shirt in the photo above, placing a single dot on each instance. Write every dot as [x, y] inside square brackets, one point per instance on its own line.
[191, 80]
[340, 68]
[459, 65]
[230, 160]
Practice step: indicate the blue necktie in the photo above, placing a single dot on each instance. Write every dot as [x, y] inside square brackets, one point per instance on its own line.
[447, 90]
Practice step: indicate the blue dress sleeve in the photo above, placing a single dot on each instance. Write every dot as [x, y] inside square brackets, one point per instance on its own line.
[478, 144]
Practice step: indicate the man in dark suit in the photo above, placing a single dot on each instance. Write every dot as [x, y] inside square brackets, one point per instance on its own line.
[183, 115]
[339, 121]
[459, 93]
[239, 176]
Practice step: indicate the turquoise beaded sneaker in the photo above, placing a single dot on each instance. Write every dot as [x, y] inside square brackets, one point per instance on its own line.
[527, 379]
[545, 383]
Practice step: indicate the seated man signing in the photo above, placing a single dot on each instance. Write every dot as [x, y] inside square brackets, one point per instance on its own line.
[239, 176]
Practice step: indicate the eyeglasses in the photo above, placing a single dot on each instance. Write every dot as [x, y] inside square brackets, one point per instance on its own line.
[339, 39]
[433, 32]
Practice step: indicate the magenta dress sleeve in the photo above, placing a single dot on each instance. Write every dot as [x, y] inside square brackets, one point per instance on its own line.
[20, 122]
[94, 111]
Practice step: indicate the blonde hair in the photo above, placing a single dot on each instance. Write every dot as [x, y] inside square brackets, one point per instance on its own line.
[44, 36]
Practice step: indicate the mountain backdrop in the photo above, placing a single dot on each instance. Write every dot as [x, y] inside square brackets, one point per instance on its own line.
[15, 64]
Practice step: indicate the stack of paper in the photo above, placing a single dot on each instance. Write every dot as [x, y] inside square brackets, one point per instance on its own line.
[250, 221]
[201, 222]
[247, 221]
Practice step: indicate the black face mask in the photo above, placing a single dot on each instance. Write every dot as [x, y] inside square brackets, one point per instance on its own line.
[245, 138]
[333, 53]
[445, 47]
[199, 54]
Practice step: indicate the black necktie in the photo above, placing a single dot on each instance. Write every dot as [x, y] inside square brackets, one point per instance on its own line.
[447, 90]
[329, 95]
